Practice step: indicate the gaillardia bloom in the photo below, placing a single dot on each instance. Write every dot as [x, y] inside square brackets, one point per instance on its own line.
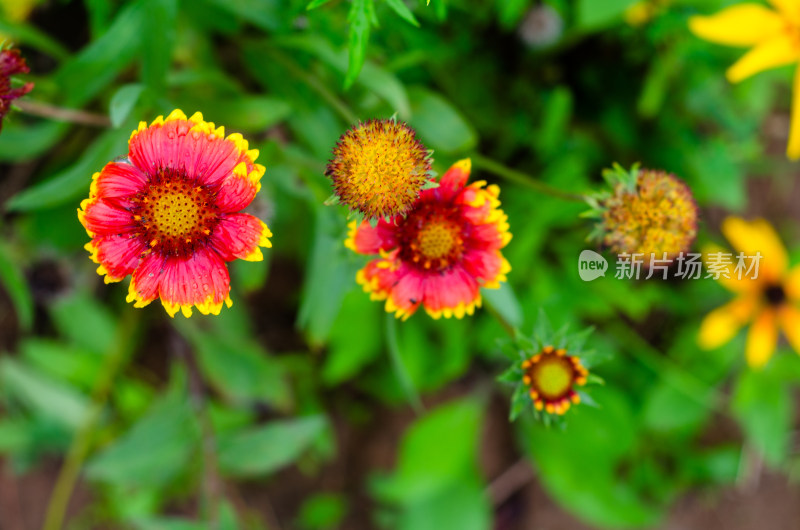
[549, 371]
[647, 212]
[11, 63]
[551, 376]
[169, 214]
[379, 168]
[440, 253]
[774, 39]
[767, 297]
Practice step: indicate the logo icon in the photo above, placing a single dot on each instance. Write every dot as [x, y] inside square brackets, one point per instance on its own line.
[591, 265]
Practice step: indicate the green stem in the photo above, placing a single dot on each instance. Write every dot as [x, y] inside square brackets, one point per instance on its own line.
[115, 360]
[670, 372]
[399, 366]
[316, 85]
[500, 319]
[523, 179]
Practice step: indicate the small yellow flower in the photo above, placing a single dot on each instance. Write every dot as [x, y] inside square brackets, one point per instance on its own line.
[774, 39]
[379, 168]
[768, 301]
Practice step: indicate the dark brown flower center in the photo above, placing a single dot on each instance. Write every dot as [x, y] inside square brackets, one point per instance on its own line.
[775, 294]
[175, 214]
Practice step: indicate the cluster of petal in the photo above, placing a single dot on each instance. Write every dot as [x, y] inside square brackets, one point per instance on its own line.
[379, 168]
[653, 214]
[551, 377]
[169, 215]
[441, 253]
[769, 300]
[11, 63]
[774, 38]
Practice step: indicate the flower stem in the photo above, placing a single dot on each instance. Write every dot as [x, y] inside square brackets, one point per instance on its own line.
[115, 360]
[316, 85]
[523, 179]
[212, 485]
[51, 112]
[399, 366]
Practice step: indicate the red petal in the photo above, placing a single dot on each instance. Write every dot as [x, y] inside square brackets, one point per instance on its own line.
[146, 279]
[239, 236]
[449, 290]
[118, 255]
[454, 179]
[366, 239]
[236, 192]
[119, 180]
[200, 280]
[101, 217]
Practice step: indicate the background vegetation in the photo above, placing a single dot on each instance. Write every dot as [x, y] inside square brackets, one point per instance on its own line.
[290, 409]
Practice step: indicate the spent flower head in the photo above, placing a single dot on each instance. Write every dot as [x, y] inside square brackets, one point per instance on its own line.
[646, 212]
[549, 371]
[11, 63]
[379, 168]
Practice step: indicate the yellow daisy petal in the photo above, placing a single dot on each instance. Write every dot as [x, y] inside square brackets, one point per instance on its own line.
[793, 148]
[739, 25]
[788, 8]
[755, 236]
[791, 284]
[778, 51]
[722, 324]
[762, 339]
[790, 323]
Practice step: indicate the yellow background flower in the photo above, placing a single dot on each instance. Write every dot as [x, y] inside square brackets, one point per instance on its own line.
[774, 39]
[769, 301]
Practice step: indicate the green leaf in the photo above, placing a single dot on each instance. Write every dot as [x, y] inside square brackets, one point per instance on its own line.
[85, 321]
[400, 7]
[354, 342]
[17, 287]
[504, 301]
[322, 511]
[315, 4]
[435, 453]
[264, 450]
[361, 14]
[763, 405]
[462, 505]
[236, 365]
[592, 14]
[74, 181]
[373, 77]
[440, 126]
[122, 103]
[44, 395]
[330, 274]
[88, 73]
[22, 33]
[155, 449]
[161, 17]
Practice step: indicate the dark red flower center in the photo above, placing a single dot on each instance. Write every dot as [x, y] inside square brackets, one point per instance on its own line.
[175, 214]
[431, 237]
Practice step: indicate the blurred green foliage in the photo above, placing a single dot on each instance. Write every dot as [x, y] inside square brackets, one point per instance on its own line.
[303, 356]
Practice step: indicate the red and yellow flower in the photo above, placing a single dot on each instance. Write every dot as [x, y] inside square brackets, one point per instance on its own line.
[169, 215]
[768, 299]
[11, 63]
[551, 377]
[440, 253]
